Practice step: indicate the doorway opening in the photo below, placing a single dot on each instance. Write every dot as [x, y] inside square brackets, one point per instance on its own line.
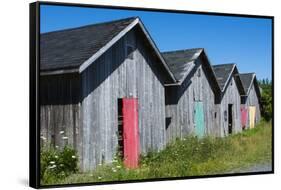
[230, 118]
[120, 129]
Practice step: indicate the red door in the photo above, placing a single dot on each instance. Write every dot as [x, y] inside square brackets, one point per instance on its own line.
[244, 116]
[130, 132]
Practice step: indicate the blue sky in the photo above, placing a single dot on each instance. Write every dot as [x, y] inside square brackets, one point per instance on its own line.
[240, 40]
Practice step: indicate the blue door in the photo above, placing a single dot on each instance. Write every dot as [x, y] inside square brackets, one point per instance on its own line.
[199, 119]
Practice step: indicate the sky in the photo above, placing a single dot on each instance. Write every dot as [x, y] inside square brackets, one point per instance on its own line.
[244, 41]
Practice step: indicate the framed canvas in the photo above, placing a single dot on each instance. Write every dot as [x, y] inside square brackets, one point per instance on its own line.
[122, 94]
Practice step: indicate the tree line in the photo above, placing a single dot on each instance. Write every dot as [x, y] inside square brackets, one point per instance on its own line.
[266, 98]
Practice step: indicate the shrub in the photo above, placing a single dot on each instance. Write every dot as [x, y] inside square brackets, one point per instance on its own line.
[57, 163]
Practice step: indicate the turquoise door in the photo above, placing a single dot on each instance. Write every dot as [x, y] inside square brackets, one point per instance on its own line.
[199, 119]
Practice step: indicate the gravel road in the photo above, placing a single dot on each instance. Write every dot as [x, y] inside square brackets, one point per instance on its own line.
[255, 168]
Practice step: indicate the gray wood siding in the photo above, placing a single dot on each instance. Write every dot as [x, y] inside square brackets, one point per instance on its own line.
[180, 105]
[252, 100]
[230, 96]
[115, 75]
[60, 115]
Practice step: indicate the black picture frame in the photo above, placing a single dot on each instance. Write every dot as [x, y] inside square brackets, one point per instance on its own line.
[34, 99]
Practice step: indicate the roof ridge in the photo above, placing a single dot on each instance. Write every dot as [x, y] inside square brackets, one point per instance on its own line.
[90, 25]
[180, 50]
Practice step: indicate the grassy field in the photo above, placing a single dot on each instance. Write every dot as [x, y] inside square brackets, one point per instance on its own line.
[189, 157]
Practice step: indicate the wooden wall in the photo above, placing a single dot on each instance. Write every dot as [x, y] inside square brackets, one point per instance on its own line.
[180, 104]
[116, 75]
[230, 96]
[60, 109]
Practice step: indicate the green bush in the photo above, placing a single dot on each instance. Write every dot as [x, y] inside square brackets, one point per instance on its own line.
[57, 163]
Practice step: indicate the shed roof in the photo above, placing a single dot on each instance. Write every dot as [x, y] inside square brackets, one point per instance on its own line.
[183, 62]
[73, 50]
[180, 62]
[69, 48]
[223, 74]
[248, 79]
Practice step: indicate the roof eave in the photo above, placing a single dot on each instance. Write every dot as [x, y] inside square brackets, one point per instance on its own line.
[59, 72]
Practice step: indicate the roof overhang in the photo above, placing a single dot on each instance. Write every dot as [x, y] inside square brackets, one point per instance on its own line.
[59, 72]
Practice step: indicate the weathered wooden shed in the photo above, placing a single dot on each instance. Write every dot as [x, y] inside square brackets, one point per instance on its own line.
[228, 105]
[90, 77]
[250, 101]
[190, 103]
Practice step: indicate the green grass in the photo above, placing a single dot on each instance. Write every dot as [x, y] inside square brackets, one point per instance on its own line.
[190, 157]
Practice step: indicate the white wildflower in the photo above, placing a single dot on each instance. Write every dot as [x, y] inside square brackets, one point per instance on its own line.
[64, 138]
[52, 162]
[99, 177]
[53, 166]
[114, 170]
[56, 156]
[118, 167]
[61, 165]
[57, 146]
[73, 156]
[43, 138]
[61, 132]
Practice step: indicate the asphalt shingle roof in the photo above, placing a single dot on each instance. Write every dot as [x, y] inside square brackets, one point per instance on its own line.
[181, 61]
[68, 49]
[246, 79]
[222, 73]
